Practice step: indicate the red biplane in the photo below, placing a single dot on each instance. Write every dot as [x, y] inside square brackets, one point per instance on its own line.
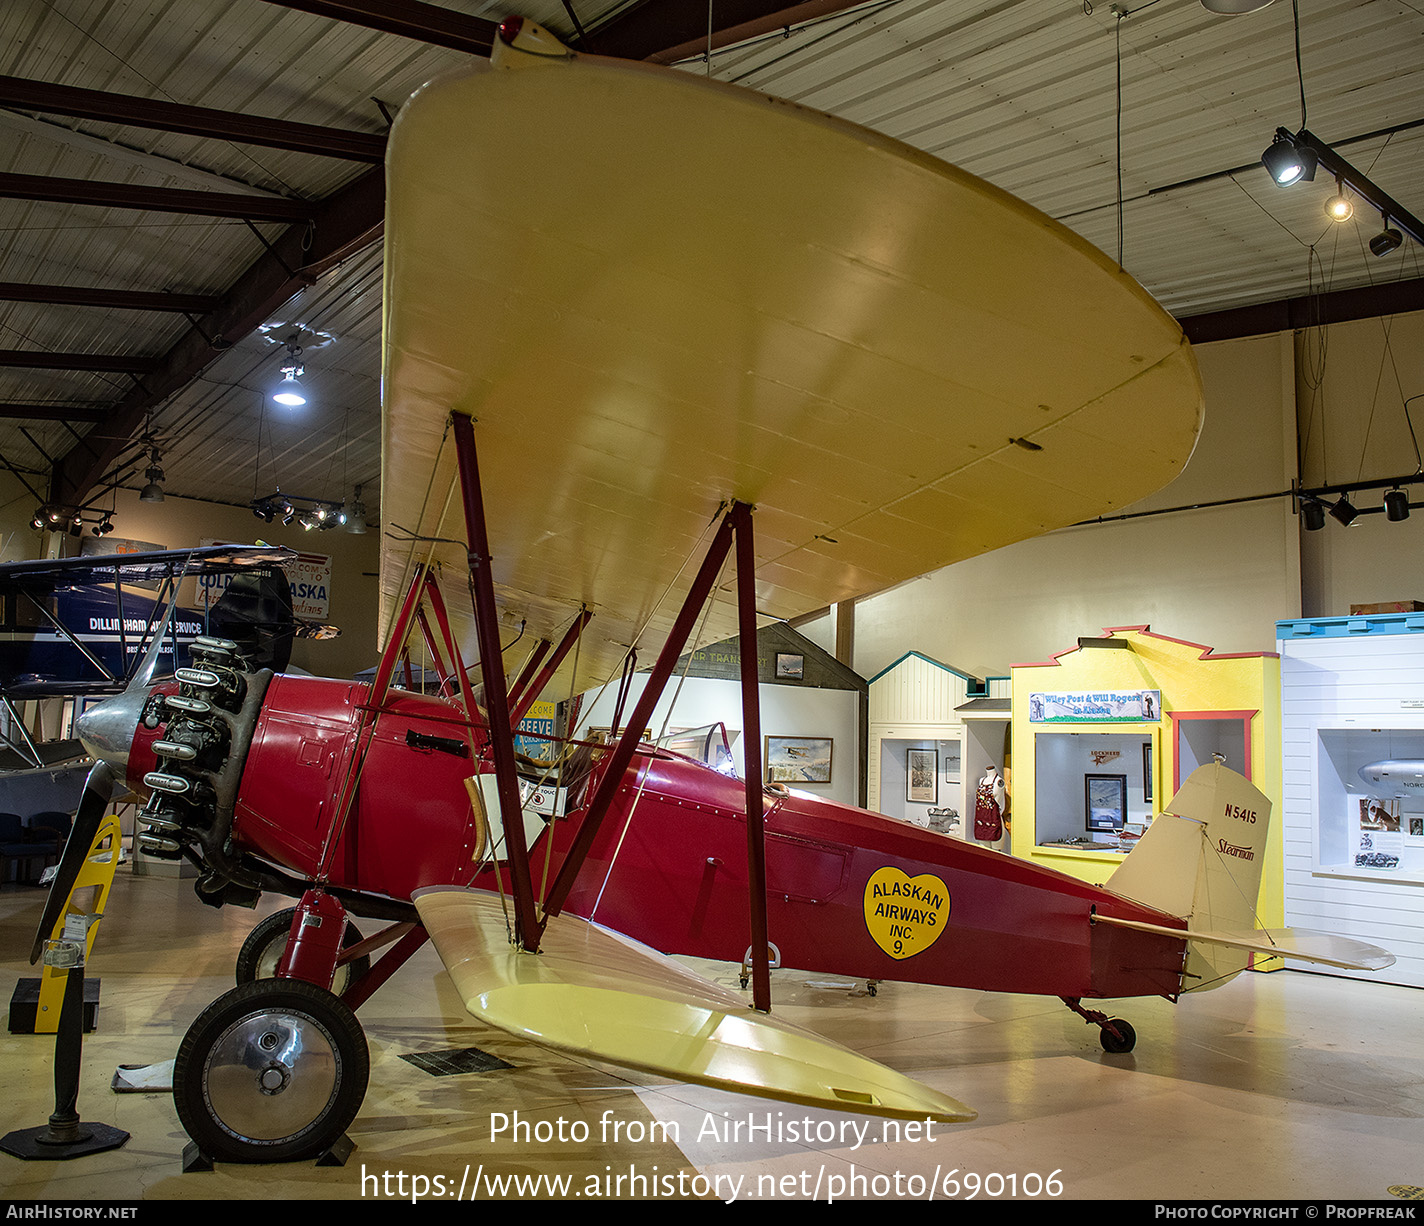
[627, 310]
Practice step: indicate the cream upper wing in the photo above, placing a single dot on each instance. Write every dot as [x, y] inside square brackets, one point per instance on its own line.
[656, 294]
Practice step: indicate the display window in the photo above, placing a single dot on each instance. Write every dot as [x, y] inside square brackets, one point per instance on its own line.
[1370, 790]
[1093, 790]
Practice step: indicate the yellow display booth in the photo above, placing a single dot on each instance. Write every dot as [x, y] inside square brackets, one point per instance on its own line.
[1104, 732]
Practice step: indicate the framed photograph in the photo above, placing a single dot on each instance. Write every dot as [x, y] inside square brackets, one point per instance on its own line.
[922, 776]
[1105, 799]
[798, 759]
[789, 667]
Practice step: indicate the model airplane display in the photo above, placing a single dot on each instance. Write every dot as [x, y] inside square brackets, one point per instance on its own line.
[1394, 778]
[669, 310]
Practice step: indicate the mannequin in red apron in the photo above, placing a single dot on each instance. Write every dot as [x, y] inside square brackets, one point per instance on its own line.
[989, 807]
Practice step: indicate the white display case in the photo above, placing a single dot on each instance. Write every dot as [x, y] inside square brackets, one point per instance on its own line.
[1352, 727]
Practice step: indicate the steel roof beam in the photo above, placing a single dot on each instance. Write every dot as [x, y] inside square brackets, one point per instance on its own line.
[122, 299]
[39, 359]
[1307, 311]
[190, 120]
[53, 412]
[428, 23]
[153, 199]
[669, 30]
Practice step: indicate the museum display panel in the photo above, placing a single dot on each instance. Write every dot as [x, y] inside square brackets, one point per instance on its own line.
[1352, 711]
[933, 731]
[1105, 732]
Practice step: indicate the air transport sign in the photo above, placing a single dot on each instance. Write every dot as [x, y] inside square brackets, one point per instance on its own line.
[308, 573]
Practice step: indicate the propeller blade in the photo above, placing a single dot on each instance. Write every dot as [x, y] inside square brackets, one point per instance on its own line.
[98, 789]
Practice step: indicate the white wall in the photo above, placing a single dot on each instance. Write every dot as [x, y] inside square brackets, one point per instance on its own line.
[1353, 427]
[786, 710]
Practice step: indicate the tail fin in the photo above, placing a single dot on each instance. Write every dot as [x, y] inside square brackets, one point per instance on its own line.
[1201, 861]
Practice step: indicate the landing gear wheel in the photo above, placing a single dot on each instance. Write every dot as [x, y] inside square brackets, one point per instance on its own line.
[263, 949]
[272, 1071]
[1119, 1043]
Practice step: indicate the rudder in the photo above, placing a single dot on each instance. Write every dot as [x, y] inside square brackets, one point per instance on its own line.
[1201, 860]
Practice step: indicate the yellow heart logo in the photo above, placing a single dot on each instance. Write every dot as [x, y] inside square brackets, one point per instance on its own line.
[905, 917]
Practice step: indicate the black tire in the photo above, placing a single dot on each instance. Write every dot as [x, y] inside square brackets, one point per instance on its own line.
[272, 1071]
[263, 948]
[1122, 1042]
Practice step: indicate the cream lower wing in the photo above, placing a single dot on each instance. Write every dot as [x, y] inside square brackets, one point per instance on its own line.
[594, 993]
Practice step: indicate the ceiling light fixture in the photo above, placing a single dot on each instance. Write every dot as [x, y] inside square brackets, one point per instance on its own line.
[1234, 8]
[1338, 207]
[1386, 240]
[1344, 512]
[153, 491]
[1396, 505]
[55, 518]
[1293, 157]
[1312, 514]
[1288, 162]
[290, 390]
[310, 513]
[356, 514]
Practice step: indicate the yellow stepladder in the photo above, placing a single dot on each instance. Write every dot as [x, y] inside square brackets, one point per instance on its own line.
[66, 938]
[85, 904]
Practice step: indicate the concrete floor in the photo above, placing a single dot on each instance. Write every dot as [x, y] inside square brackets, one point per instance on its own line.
[1285, 1086]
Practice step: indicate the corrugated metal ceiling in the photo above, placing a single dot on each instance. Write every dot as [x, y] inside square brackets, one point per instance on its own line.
[1024, 94]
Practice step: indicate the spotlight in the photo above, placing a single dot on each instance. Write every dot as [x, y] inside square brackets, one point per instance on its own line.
[1342, 512]
[1289, 162]
[1396, 505]
[308, 513]
[1385, 241]
[1339, 207]
[1312, 514]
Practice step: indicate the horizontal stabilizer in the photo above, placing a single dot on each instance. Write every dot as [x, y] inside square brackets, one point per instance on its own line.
[1301, 943]
[592, 992]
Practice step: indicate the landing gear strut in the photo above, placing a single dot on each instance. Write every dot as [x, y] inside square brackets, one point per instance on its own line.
[1116, 1035]
[266, 943]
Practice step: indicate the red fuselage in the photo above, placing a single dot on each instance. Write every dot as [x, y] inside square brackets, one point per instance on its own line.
[849, 892]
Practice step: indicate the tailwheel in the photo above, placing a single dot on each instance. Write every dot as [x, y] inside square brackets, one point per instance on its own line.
[1117, 1036]
[266, 943]
[272, 1071]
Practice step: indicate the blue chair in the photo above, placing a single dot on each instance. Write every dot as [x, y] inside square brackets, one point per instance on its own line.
[15, 848]
[49, 832]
